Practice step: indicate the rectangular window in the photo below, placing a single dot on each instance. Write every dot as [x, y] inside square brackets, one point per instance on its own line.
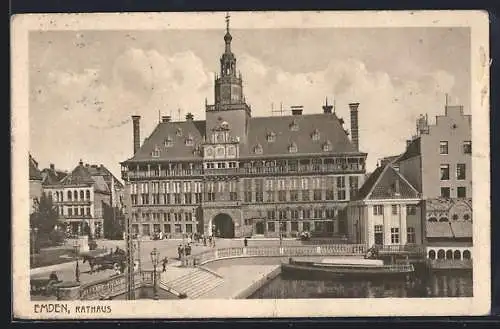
[187, 198]
[461, 192]
[410, 235]
[329, 195]
[318, 213]
[270, 196]
[394, 208]
[233, 196]
[70, 211]
[305, 195]
[395, 235]
[378, 210]
[306, 213]
[177, 198]
[294, 226]
[166, 228]
[411, 209]
[467, 147]
[379, 235]
[198, 197]
[248, 196]
[282, 214]
[460, 171]
[445, 171]
[294, 195]
[281, 195]
[271, 226]
[88, 211]
[317, 195]
[445, 192]
[271, 214]
[189, 228]
[341, 193]
[295, 214]
[443, 147]
[306, 226]
[353, 186]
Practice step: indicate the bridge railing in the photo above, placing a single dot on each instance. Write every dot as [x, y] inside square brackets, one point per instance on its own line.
[115, 285]
[276, 251]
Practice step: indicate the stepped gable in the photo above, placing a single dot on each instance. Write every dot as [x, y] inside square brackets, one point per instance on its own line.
[309, 133]
[34, 172]
[174, 134]
[387, 183]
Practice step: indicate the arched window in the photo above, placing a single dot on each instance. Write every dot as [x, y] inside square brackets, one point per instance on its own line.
[432, 254]
[441, 254]
[466, 254]
[75, 195]
[81, 195]
[443, 219]
[69, 195]
[433, 219]
[457, 254]
[87, 194]
[449, 254]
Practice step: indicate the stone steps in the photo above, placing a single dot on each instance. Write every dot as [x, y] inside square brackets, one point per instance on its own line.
[195, 282]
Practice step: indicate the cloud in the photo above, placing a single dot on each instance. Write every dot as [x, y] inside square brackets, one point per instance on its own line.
[145, 81]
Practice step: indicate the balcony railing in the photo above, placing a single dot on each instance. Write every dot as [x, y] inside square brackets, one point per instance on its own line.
[247, 171]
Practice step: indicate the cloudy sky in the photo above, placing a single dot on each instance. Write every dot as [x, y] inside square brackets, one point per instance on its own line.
[84, 86]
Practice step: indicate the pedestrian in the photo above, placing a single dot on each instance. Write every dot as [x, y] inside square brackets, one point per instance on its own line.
[205, 240]
[179, 251]
[245, 242]
[165, 262]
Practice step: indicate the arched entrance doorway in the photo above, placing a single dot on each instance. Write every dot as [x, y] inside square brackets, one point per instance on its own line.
[223, 226]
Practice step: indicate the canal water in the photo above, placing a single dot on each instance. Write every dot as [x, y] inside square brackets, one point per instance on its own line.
[452, 283]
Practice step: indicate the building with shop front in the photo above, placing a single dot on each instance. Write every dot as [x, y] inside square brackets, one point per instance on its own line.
[386, 211]
[438, 162]
[81, 195]
[235, 175]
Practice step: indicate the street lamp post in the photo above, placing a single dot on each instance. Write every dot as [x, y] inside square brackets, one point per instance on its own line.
[76, 247]
[155, 255]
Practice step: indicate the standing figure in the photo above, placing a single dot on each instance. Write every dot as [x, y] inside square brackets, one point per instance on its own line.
[164, 263]
[245, 242]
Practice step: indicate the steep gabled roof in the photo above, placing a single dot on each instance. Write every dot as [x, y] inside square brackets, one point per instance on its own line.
[299, 130]
[79, 175]
[100, 170]
[52, 176]
[176, 133]
[305, 134]
[387, 183]
[34, 172]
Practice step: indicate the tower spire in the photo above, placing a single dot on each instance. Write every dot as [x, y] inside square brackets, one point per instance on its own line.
[227, 22]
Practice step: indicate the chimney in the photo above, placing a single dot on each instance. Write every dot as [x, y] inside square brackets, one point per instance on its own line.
[396, 188]
[297, 110]
[408, 142]
[327, 109]
[81, 162]
[189, 116]
[137, 132]
[166, 118]
[354, 125]
[52, 167]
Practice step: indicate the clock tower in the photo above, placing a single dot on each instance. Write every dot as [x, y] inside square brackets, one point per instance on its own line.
[229, 106]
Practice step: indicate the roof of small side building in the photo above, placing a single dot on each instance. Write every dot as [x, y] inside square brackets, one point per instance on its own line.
[384, 182]
[52, 176]
[34, 172]
[412, 150]
[455, 229]
[326, 127]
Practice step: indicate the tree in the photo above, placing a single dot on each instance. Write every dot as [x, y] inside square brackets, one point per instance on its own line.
[44, 221]
[45, 218]
[112, 222]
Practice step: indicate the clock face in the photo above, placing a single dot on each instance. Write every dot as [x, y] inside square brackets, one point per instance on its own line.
[231, 151]
[220, 151]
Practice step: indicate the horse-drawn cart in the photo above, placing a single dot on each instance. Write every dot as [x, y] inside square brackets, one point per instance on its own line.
[104, 260]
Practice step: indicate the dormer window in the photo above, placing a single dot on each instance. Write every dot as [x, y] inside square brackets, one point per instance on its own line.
[189, 140]
[294, 126]
[271, 137]
[315, 135]
[292, 148]
[327, 147]
[257, 149]
[156, 152]
[169, 142]
[178, 132]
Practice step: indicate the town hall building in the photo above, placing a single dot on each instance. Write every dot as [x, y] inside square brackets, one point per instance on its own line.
[235, 175]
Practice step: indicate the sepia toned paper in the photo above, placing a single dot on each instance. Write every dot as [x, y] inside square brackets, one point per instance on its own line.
[78, 78]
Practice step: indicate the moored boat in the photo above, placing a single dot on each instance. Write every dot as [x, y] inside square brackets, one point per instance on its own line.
[346, 267]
